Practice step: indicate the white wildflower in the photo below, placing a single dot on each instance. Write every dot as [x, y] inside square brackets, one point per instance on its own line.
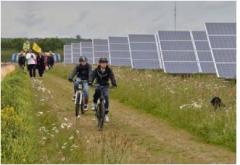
[71, 138]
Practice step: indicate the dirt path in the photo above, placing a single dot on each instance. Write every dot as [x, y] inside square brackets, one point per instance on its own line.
[6, 69]
[131, 136]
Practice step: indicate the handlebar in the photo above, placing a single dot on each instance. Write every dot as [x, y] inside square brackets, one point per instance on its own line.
[97, 85]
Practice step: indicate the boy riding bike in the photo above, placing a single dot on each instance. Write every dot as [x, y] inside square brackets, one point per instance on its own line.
[82, 71]
[102, 74]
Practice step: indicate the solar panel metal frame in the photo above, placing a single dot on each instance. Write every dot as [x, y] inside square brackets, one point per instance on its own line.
[190, 40]
[111, 50]
[212, 49]
[147, 37]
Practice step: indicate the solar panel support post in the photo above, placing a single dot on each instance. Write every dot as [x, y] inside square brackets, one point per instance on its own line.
[130, 52]
[195, 52]
[158, 51]
[210, 46]
[161, 55]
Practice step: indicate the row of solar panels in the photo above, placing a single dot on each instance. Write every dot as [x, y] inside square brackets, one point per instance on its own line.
[180, 52]
[56, 57]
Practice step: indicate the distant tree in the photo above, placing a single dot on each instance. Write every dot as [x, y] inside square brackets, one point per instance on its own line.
[78, 37]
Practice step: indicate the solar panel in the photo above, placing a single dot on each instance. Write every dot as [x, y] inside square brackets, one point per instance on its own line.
[222, 38]
[221, 28]
[176, 45]
[177, 52]
[100, 49]
[67, 49]
[174, 35]
[181, 67]
[208, 67]
[75, 52]
[227, 70]
[199, 35]
[203, 52]
[144, 52]
[119, 51]
[223, 41]
[87, 50]
[202, 45]
[145, 64]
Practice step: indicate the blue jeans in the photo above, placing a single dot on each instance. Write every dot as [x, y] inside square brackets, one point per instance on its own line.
[85, 88]
[97, 95]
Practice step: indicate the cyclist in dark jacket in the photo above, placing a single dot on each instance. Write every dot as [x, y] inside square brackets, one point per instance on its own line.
[102, 74]
[82, 71]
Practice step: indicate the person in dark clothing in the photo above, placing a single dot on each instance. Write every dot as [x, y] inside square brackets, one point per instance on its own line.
[21, 60]
[102, 74]
[83, 73]
[40, 64]
[50, 60]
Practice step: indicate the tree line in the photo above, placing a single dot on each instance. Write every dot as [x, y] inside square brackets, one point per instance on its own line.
[47, 44]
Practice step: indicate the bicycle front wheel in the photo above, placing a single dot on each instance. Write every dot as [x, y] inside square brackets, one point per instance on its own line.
[101, 116]
[77, 104]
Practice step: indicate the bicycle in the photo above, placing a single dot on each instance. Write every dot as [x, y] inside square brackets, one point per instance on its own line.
[100, 108]
[79, 97]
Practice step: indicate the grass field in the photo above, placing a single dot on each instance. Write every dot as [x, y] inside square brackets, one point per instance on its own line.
[183, 102]
[152, 114]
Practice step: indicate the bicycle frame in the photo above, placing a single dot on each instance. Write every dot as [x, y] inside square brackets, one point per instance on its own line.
[79, 97]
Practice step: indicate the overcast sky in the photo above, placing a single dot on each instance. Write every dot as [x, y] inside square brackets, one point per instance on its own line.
[101, 19]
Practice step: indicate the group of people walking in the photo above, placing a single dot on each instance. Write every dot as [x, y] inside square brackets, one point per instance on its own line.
[101, 74]
[39, 61]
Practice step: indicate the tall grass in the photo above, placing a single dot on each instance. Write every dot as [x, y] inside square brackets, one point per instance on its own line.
[184, 102]
[18, 143]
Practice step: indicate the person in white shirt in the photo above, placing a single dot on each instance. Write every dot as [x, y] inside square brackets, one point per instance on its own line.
[31, 63]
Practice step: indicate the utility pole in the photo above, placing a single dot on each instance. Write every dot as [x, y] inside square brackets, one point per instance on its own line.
[175, 15]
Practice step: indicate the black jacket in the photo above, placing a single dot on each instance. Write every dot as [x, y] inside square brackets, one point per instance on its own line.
[50, 60]
[81, 71]
[102, 78]
[21, 60]
[40, 62]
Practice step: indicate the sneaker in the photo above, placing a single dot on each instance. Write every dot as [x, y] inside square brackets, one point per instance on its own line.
[78, 117]
[106, 118]
[94, 107]
[73, 98]
[85, 107]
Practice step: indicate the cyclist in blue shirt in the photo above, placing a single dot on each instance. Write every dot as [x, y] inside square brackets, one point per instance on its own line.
[83, 71]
